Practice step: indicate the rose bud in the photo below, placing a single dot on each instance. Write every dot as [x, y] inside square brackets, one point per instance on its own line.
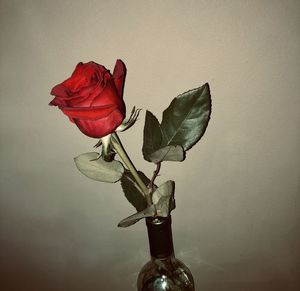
[93, 98]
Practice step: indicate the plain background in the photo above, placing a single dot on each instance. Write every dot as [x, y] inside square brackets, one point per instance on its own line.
[237, 219]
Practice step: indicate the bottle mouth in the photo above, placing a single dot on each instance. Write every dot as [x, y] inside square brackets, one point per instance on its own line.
[158, 220]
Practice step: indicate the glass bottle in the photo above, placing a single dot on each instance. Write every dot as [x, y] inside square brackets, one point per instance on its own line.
[163, 272]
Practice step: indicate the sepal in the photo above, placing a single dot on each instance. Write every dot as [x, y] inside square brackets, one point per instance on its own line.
[128, 122]
[105, 143]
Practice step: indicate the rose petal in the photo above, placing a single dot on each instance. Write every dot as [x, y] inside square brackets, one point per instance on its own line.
[108, 95]
[81, 77]
[88, 113]
[119, 77]
[84, 75]
[100, 127]
[82, 98]
[60, 91]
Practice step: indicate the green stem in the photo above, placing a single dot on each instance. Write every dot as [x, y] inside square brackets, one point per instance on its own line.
[155, 173]
[117, 145]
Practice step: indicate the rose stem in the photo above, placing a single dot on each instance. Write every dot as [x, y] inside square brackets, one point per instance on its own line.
[125, 158]
[155, 173]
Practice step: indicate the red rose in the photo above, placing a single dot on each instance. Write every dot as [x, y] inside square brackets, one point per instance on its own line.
[93, 98]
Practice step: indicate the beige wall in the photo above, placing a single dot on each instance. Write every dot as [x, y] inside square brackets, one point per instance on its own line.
[237, 219]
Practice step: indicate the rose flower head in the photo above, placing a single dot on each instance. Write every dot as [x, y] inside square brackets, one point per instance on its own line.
[92, 98]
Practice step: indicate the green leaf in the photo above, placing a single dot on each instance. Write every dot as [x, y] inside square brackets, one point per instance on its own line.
[163, 198]
[131, 190]
[152, 135]
[132, 219]
[185, 120]
[168, 153]
[163, 204]
[94, 167]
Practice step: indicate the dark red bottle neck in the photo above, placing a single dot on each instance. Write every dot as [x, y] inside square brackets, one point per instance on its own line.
[160, 237]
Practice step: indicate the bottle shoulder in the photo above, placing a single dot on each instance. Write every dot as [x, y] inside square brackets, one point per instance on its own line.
[165, 274]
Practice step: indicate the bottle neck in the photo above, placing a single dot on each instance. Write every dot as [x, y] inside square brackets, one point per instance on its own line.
[160, 237]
